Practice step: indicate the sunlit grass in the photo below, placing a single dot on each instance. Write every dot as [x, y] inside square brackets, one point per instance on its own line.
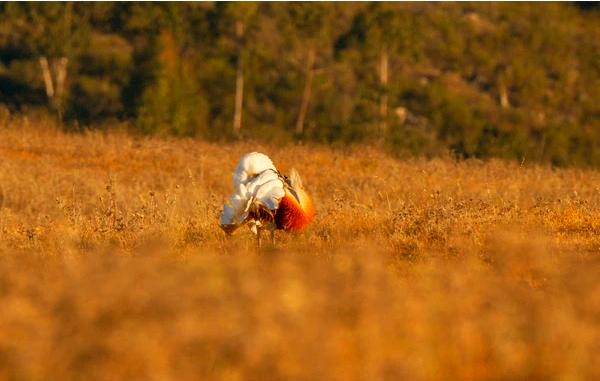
[112, 266]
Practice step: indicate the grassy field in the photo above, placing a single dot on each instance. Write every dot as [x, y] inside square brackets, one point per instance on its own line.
[112, 266]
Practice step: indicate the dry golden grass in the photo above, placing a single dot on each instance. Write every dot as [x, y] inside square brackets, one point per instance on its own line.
[112, 266]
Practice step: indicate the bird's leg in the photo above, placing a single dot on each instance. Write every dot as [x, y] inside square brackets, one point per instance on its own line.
[272, 230]
[258, 237]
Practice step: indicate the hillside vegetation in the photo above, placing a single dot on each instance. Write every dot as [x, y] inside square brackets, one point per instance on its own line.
[112, 266]
[506, 80]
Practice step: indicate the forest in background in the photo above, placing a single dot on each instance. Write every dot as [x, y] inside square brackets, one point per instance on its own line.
[517, 81]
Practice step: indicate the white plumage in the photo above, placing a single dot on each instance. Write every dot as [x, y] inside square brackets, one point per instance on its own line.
[256, 183]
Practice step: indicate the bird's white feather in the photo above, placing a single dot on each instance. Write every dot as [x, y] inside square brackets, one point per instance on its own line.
[250, 165]
[235, 211]
[255, 182]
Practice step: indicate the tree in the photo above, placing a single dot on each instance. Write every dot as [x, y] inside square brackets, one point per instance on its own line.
[233, 19]
[55, 32]
[381, 33]
[174, 103]
[310, 29]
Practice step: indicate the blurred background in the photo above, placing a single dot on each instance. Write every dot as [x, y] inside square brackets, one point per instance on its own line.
[518, 81]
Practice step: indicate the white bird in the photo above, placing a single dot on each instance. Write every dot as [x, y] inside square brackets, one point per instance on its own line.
[265, 199]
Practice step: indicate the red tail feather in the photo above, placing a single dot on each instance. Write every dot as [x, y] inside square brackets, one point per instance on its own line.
[291, 215]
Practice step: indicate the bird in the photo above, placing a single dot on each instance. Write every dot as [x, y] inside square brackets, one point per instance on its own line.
[265, 199]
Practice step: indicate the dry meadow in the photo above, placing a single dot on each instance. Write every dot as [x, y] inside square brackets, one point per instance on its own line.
[113, 266]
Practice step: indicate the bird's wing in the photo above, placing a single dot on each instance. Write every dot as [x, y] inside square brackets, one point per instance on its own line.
[269, 193]
[250, 165]
[235, 211]
[256, 182]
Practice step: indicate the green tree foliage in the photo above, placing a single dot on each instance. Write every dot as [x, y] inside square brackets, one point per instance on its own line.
[509, 80]
[174, 103]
